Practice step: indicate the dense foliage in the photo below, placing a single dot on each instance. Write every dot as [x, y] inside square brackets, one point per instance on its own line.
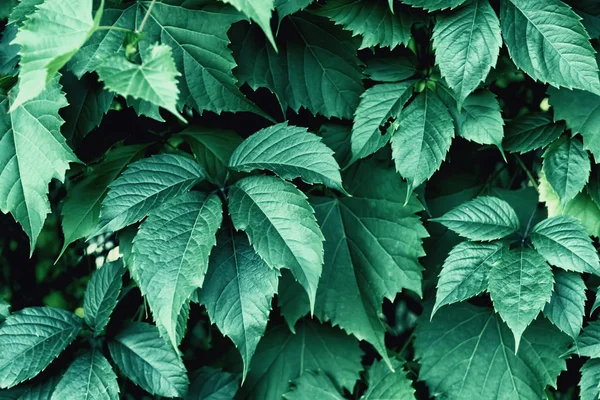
[299, 199]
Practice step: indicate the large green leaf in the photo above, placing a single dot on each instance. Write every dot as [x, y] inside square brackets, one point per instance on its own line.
[154, 81]
[281, 226]
[589, 385]
[520, 285]
[372, 19]
[31, 338]
[170, 254]
[313, 385]
[531, 132]
[237, 292]
[145, 185]
[563, 242]
[81, 207]
[467, 43]
[384, 383]
[258, 11]
[213, 384]
[283, 356]
[566, 307]
[549, 43]
[49, 37]
[422, 139]
[484, 218]
[465, 272]
[150, 362]
[566, 166]
[434, 5]
[32, 153]
[467, 352]
[291, 152]
[378, 106]
[90, 376]
[101, 295]
[588, 343]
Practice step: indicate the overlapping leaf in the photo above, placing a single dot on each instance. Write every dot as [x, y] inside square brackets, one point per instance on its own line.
[101, 295]
[384, 383]
[530, 132]
[258, 11]
[213, 384]
[589, 385]
[434, 5]
[566, 307]
[313, 385]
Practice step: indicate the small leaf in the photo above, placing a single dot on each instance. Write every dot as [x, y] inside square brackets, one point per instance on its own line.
[596, 303]
[30, 339]
[485, 218]
[313, 385]
[288, 7]
[258, 11]
[566, 307]
[520, 285]
[150, 362]
[384, 383]
[566, 166]
[588, 342]
[531, 132]
[213, 384]
[101, 295]
[589, 384]
[434, 5]
[391, 69]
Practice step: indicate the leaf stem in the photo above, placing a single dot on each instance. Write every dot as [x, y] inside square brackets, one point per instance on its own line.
[527, 172]
[141, 27]
[112, 28]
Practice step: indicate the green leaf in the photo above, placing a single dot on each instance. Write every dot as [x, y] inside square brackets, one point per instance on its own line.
[90, 376]
[596, 303]
[566, 166]
[49, 37]
[144, 186]
[150, 362]
[237, 292]
[372, 246]
[467, 43]
[292, 300]
[212, 149]
[465, 272]
[290, 152]
[422, 139]
[154, 81]
[35, 390]
[467, 352]
[531, 132]
[337, 138]
[171, 253]
[283, 356]
[281, 226]
[4, 309]
[213, 384]
[520, 285]
[549, 43]
[434, 5]
[391, 69]
[258, 11]
[30, 339]
[81, 207]
[288, 7]
[9, 52]
[313, 385]
[384, 383]
[588, 342]
[32, 153]
[590, 14]
[484, 218]
[22, 10]
[378, 106]
[581, 112]
[589, 385]
[566, 307]
[372, 19]
[101, 295]
[563, 242]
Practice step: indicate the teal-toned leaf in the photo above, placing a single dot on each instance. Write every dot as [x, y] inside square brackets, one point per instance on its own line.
[6, 8]
[213, 384]
[171, 251]
[288, 7]
[484, 218]
[283, 356]
[281, 226]
[467, 352]
[384, 383]
[373, 20]
[422, 139]
[81, 207]
[581, 112]
[9, 52]
[154, 81]
[589, 385]
[150, 362]
[467, 44]
[290, 152]
[30, 339]
[589, 11]
[520, 285]
[292, 300]
[549, 43]
[313, 385]
[22, 10]
[4, 309]
[531, 132]
[588, 342]
[337, 138]
[212, 149]
[465, 272]
[48, 38]
[237, 292]
[90, 376]
[101, 295]
[32, 153]
[596, 303]
[563, 242]
[378, 106]
[566, 166]
[566, 307]
[258, 11]
[434, 5]
[391, 69]
[38, 389]
[145, 185]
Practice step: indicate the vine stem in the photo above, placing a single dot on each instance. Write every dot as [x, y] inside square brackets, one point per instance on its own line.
[527, 172]
[141, 27]
[112, 28]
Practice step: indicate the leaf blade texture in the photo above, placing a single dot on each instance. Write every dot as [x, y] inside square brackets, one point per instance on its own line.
[566, 307]
[101, 295]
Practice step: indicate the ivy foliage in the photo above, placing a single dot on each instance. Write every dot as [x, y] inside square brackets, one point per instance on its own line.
[267, 199]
